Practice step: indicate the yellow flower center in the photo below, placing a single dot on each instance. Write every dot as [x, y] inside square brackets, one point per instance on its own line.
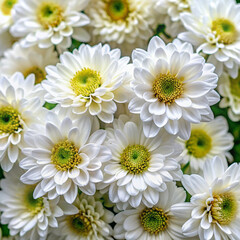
[7, 5]
[225, 29]
[80, 223]
[49, 14]
[9, 120]
[85, 82]
[65, 156]
[118, 9]
[235, 86]
[38, 72]
[199, 143]
[154, 220]
[33, 205]
[224, 208]
[167, 88]
[135, 159]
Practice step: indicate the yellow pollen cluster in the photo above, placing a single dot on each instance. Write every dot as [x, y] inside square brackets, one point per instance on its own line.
[85, 82]
[167, 88]
[6, 6]
[65, 156]
[135, 159]
[49, 14]
[80, 223]
[38, 72]
[9, 120]
[33, 205]
[117, 9]
[199, 143]
[225, 29]
[154, 220]
[224, 208]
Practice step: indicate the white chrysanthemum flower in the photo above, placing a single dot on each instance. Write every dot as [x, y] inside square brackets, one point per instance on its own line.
[213, 27]
[125, 24]
[229, 88]
[6, 13]
[90, 80]
[50, 22]
[27, 217]
[6, 42]
[174, 87]
[140, 167]
[63, 155]
[214, 210]
[91, 222]
[156, 223]
[206, 141]
[28, 61]
[20, 107]
[172, 10]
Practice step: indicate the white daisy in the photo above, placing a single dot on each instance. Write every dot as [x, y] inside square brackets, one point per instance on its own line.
[140, 167]
[50, 22]
[28, 61]
[157, 222]
[229, 88]
[214, 210]
[206, 141]
[172, 10]
[90, 80]
[213, 27]
[63, 155]
[125, 24]
[91, 222]
[6, 13]
[27, 217]
[174, 87]
[6, 42]
[20, 107]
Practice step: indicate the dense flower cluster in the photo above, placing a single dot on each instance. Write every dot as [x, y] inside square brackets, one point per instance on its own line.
[109, 119]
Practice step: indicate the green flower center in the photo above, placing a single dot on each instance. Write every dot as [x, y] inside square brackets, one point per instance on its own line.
[199, 143]
[167, 88]
[80, 223]
[65, 156]
[118, 9]
[235, 86]
[34, 205]
[135, 159]
[224, 208]
[9, 120]
[225, 29]
[85, 82]
[154, 220]
[7, 6]
[38, 72]
[49, 14]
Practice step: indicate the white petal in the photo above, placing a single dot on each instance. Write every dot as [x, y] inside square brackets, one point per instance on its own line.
[61, 177]
[71, 195]
[48, 171]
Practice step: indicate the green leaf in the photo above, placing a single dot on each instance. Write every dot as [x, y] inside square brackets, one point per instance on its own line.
[5, 230]
[49, 106]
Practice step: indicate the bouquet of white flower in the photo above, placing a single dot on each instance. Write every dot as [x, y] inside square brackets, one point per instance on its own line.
[119, 119]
